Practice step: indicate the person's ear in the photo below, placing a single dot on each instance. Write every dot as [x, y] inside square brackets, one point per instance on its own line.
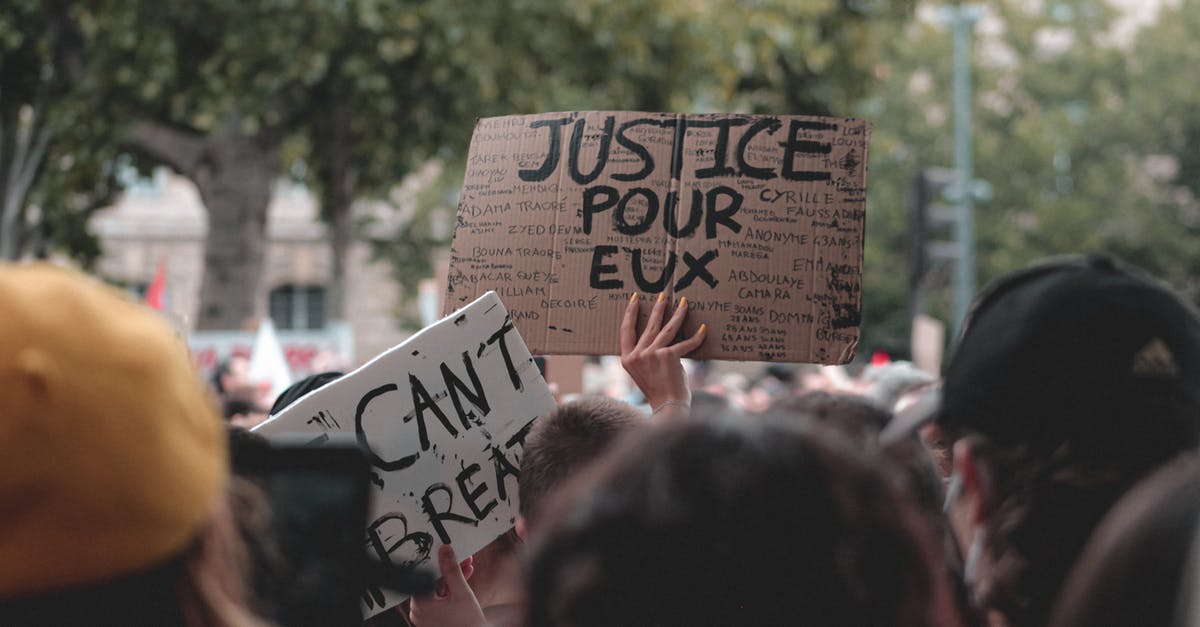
[971, 469]
[522, 529]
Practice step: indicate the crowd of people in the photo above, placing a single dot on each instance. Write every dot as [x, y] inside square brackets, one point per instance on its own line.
[1049, 478]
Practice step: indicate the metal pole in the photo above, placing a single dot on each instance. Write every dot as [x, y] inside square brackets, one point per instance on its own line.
[964, 19]
[918, 203]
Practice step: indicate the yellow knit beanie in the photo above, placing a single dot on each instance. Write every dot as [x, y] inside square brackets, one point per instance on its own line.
[112, 456]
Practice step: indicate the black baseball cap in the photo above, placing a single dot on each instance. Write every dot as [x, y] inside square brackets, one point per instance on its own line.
[1078, 357]
[297, 390]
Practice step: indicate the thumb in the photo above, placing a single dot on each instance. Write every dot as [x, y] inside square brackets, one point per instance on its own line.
[452, 573]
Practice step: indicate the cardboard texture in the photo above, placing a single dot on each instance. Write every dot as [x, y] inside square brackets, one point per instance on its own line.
[442, 418]
[757, 220]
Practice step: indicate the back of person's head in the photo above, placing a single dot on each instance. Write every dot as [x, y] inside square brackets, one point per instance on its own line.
[1085, 353]
[303, 387]
[1134, 568]
[113, 462]
[724, 523]
[862, 420]
[1073, 380]
[705, 404]
[857, 417]
[228, 375]
[567, 440]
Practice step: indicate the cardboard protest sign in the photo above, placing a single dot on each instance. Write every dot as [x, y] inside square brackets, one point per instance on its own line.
[442, 418]
[756, 220]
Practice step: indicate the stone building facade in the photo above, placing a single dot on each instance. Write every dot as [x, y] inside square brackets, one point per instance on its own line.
[161, 220]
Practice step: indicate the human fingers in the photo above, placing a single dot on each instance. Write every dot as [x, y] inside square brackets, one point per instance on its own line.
[690, 344]
[452, 573]
[654, 323]
[671, 329]
[629, 324]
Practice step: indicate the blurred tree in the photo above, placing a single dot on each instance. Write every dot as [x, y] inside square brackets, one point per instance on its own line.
[775, 56]
[408, 81]
[210, 89]
[1072, 125]
[55, 162]
[230, 93]
[227, 92]
[805, 58]
[1158, 117]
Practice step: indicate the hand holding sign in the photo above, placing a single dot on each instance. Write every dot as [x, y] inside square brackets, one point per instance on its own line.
[653, 360]
[441, 419]
[757, 220]
[454, 604]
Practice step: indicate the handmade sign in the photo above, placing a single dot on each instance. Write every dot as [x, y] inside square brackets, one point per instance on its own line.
[442, 418]
[756, 220]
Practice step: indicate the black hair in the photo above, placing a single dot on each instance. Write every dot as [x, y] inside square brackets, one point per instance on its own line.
[298, 389]
[223, 368]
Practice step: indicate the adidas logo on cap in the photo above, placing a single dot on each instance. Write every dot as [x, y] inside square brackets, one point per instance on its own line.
[1155, 360]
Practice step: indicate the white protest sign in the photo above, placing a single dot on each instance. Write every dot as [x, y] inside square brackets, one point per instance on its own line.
[442, 418]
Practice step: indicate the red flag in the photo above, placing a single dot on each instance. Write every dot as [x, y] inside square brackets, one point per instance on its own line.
[157, 290]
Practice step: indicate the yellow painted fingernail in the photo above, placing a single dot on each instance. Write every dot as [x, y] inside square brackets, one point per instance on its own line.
[633, 297]
[702, 328]
[683, 302]
[661, 296]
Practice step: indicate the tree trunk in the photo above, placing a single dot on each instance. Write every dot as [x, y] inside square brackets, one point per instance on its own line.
[235, 181]
[341, 235]
[235, 174]
[23, 141]
[338, 187]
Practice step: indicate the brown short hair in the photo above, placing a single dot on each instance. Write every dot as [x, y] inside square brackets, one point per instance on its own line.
[567, 440]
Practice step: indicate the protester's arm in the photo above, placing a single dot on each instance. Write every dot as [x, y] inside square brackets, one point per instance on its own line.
[654, 361]
[453, 604]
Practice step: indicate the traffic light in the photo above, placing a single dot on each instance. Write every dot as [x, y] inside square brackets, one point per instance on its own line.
[931, 230]
[937, 235]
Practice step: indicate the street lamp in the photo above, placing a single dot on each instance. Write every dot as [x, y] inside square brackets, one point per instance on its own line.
[963, 19]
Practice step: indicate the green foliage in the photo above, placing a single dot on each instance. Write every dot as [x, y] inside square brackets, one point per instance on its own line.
[1159, 117]
[787, 57]
[194, 65]
[1067, 128]
[523, 56]
[41, 102]
[363, 91]
[466, 60]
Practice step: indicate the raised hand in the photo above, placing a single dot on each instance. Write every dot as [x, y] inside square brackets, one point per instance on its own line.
[654, 359]
[453, 604]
